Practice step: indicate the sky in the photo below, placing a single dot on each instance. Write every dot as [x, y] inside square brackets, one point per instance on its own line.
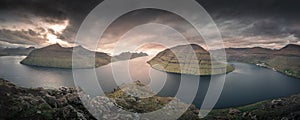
[248, 23]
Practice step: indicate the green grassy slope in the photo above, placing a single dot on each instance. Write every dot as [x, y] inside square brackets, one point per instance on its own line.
[180, 59]
[60, 57]
[285, 60]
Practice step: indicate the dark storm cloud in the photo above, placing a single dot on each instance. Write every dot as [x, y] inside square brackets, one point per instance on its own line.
[251, 21]
[43, 8]
[20, 36]
[2, 20]
[135, 18]
[53, 11]
[254, 8]
[267, 17]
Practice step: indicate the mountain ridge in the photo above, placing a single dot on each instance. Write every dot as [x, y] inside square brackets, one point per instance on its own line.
[284, 60]
[56, 56]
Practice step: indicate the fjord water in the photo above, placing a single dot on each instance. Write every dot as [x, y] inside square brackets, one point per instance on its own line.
[246, 84]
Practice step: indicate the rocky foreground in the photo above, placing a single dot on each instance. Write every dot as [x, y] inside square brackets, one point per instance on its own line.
[287, 108]
[64, 103]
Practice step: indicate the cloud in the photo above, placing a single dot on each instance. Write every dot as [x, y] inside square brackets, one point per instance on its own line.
[266, 23]
[12, 45]
[29, 37]
[23, 13]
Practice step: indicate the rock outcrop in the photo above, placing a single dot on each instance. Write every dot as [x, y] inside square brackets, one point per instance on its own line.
[41, 104]
[181, 59]
[64, 103]
[286, 108]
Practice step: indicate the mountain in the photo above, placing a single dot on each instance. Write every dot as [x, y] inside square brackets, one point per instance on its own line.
[290, 50]
[170, 62]
[285, 60]
[15, 51]
[128, 55]
[61, 57]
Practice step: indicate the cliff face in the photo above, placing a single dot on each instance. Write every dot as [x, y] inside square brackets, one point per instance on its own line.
[169, 60]
[60, 57]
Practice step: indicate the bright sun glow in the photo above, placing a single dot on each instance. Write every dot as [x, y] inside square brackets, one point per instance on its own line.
[58, 29]
[52, 38]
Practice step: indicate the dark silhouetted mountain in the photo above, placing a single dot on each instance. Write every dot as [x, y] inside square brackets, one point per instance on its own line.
[128, 55]
[15, 51]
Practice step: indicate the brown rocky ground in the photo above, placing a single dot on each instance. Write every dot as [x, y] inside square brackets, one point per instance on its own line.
[286, 108]
[43, 104]
[63, 104]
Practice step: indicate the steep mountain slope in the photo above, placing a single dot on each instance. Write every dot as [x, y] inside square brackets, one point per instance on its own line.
[128, 55]
[180, 59]
[60, 57]
[285, 60]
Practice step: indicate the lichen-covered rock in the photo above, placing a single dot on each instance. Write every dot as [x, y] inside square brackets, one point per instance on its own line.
[64, 103]
[188, 59]
[26, 104]
[42, 104]
[276, 109]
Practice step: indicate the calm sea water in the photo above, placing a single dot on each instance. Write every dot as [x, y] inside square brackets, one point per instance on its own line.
[247, 84]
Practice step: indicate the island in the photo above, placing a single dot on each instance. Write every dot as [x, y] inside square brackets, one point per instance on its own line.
[284, 60]
[61, 57]
[56, 56]
[179, 59]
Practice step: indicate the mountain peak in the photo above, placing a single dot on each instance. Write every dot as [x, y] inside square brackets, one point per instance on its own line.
[291, 46]
[186, 48]
[54, 46]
